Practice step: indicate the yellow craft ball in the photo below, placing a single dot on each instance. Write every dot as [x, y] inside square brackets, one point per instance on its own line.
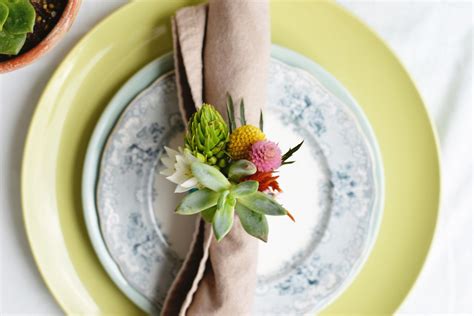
[242, 139]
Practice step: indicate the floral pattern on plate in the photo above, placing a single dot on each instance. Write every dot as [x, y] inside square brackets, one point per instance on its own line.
[305, 264]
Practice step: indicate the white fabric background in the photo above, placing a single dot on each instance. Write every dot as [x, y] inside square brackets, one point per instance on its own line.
[434, 42]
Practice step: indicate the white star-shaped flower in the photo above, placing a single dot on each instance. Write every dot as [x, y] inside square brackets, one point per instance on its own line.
[178, 169]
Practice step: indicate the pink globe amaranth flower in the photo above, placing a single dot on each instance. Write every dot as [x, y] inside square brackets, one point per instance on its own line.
[265, 155]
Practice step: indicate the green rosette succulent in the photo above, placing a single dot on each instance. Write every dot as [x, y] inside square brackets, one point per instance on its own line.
[17, 19]
[222, 197]
[207, 136]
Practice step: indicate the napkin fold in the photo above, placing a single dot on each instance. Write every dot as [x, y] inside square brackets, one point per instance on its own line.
[219, 48]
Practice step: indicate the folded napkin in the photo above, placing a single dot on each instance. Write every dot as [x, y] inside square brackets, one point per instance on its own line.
[220, 47]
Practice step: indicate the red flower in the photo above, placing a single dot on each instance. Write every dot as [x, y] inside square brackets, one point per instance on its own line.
[266, 181]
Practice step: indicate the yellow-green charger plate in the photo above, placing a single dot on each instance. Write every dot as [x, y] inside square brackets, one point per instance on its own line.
[138, 33]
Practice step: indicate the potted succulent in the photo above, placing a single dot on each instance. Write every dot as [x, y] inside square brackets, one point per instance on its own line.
[29, 28]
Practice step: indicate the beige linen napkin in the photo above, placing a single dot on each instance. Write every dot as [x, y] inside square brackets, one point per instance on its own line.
[220, 47]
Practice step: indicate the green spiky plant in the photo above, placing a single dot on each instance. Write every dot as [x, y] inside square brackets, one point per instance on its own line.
[17, 19]
[207, 136]
[221, 197]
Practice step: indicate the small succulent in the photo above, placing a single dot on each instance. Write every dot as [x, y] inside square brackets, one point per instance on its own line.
[207, 136]
[17, 18]
[223, 196]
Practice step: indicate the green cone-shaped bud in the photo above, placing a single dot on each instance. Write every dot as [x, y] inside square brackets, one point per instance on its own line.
[207, 136]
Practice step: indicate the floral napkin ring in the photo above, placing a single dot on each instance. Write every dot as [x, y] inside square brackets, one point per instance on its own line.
[227, 169]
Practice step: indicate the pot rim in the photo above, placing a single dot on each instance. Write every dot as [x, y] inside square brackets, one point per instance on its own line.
[54, 36]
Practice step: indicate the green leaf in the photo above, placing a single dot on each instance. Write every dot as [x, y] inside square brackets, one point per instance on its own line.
[243, 121]
[197, 201]
[222, 199]
[3, 14]
[290, 152]
[241, 168]
[11, 44]
[287, 163]
[262, 203]
[230, 113]
[208, 214]
[224, 216]
[254, 223]
[21, 17]
[261, 121]
[209, 176]
[245, 188]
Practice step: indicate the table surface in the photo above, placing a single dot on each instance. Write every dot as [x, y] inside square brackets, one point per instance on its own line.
[433, 41]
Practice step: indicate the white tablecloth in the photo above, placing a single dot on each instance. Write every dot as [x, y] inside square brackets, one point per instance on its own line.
[433, 40]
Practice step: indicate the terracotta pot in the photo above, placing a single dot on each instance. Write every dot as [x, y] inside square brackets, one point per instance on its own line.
[58, 31]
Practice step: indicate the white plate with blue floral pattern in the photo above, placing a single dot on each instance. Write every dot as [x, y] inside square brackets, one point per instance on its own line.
[334, 190]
